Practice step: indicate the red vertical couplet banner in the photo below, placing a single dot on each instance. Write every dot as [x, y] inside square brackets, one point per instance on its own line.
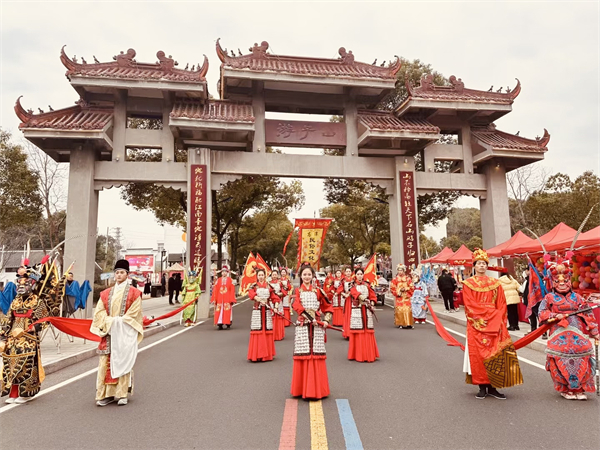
[197, 217]
[408, 204]
[311, 236]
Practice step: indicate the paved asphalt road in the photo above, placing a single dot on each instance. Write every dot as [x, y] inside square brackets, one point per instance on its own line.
[196, 390]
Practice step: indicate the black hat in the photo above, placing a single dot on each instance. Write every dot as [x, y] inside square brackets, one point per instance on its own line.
[122, 264]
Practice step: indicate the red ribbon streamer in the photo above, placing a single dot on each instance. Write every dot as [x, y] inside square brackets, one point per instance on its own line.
[287, 241]
[442, 331]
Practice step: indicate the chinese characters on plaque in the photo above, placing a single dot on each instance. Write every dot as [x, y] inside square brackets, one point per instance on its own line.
[305, 134]
[197, 217]
[311, 235]
[409, 219]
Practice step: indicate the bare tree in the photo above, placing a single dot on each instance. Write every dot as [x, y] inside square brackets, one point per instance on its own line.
[52, 187]
[522, 183]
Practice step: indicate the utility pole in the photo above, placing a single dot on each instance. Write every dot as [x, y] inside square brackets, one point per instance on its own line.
[118, 239]
[106, 250]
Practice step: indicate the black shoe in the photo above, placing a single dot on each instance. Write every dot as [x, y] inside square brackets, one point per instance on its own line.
[545, 336]
[517, 328]
[228, 327]
[511, 329]
[481, 394]
[220, 327]
[494, 393]
[171, 303]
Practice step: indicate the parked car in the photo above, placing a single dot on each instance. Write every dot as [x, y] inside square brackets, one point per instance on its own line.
[381, 289]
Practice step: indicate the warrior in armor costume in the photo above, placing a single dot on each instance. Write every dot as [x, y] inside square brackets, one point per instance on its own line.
[363, 346]
[279, 293]
[287, 286]
[309, 376]
[344, 293]
[191, 292]
[336, 299]
[402, 288]
[262, 345]
[223, 296]
[40, 292]
[569, 353]
[118, 320]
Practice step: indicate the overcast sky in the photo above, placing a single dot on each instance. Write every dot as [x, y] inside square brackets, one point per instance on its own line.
[552, 47]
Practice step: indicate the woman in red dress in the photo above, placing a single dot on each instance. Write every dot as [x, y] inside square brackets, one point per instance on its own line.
[344, 292]
[286, 284]
[277, 289]
[309, 377]
[336, 299]
[262, 345]
[363, 346]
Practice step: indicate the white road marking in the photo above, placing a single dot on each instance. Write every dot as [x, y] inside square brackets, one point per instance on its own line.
[525, 360]
[91, 371]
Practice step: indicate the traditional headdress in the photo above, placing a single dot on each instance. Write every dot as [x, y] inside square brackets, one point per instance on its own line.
[225, 267]
[480, 255]
[122, 264]
[400, 267]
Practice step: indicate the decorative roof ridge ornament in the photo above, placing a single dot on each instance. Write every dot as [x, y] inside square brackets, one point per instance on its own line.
[490, 129]
[202, 71]
[544, 140]
[126, 59]
[395, 66]
[346, 57]
[220, 52]
[260, 51]
[167, 64]
[516, 91]
[23, 115]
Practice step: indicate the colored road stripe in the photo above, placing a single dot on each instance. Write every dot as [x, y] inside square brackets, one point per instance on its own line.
[318, 435]
[349, 429]
[287, 439]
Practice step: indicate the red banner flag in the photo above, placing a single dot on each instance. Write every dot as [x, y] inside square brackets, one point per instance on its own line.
[311, 236]
[370, 275]
[262, 264]
[248, 277]
[287, 241]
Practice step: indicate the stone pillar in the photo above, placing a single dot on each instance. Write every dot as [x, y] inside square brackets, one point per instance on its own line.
[119, 125]
[200, 156]
[258, 105]
[167, 141]
[396, 211]
[351, 120]
[82, 217]
[466, 165]
[495, 217]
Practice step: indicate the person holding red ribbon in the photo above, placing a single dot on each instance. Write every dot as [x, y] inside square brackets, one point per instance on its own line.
[569, 353]
[278, 319]
[118, 320]
[287, 286]
[490, 356]
[309, 375]
[344, 293]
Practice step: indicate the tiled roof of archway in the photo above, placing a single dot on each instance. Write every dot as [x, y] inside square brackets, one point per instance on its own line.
[258, 60]
[213, 110]
[78, 117]
[125, 66]
[384, 121]
[500, 140]
[456, 92]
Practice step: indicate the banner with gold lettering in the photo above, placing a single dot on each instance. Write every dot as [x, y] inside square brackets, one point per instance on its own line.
[197, 218]
[409, 219]
[311, 236]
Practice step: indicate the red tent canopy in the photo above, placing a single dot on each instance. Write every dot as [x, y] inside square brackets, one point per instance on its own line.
[588, 239]
[441, 257]
[559, 233]
[462, 257]
[518, 239]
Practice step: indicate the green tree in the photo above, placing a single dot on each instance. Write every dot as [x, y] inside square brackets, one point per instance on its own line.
[429, 247]
[464, 223]
[342, 243]
[453, 242]
[20, 201]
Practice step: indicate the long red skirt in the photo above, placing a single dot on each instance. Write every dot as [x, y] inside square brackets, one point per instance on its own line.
[278, 327]
[309, 377]
[286, 314]
[347, 314]
[338, 316]
[363, 346]
[261, 346]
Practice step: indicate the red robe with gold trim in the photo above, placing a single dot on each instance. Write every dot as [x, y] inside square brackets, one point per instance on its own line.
[491, 353]
[223, 296]
[261, 346]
